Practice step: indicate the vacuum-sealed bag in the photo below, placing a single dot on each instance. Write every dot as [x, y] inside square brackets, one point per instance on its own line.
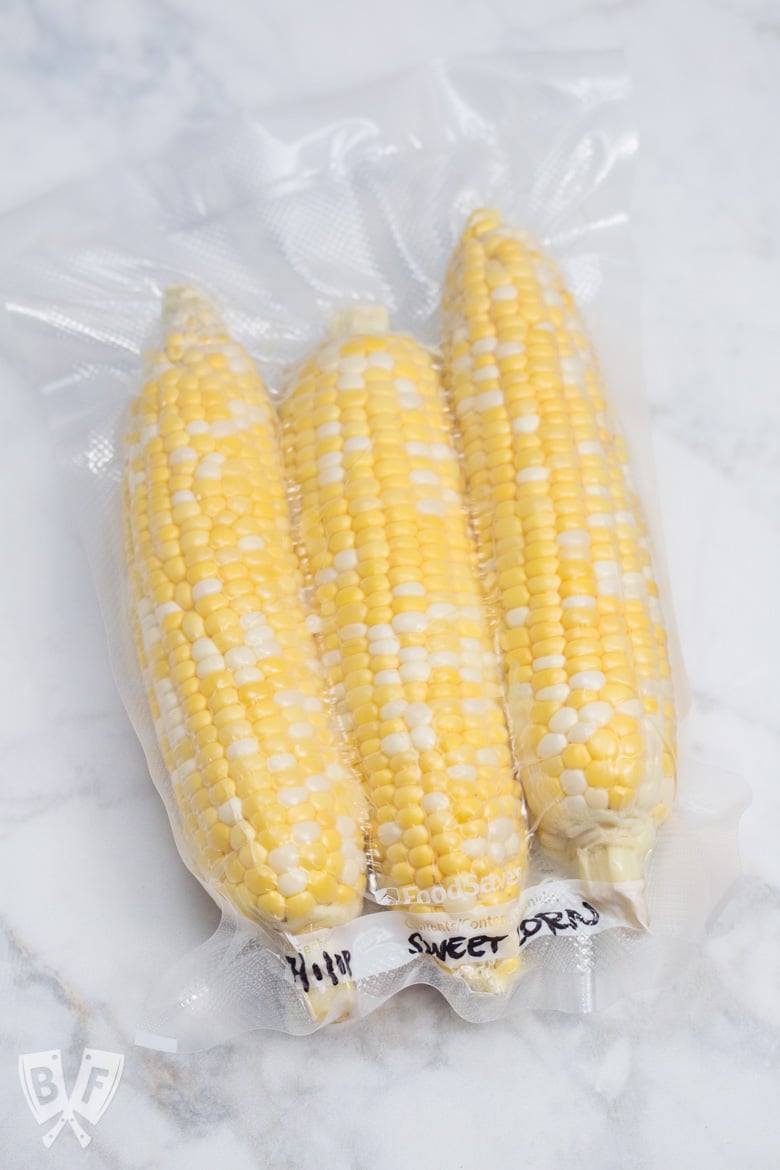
[349, 398]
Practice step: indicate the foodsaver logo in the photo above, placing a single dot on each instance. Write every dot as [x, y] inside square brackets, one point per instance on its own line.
[464, 887]
[43, 1085]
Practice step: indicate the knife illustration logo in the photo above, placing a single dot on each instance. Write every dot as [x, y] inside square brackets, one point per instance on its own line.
[43, 1085]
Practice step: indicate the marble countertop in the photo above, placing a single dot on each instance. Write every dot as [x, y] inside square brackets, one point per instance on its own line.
[690, 1079]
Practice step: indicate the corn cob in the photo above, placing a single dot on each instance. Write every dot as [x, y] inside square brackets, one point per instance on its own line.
[565, 552]
[388, 553]
[269, 814]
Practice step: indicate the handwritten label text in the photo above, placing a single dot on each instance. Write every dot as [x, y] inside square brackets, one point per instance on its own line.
[555, 921]
[456, 947]
[333, 967]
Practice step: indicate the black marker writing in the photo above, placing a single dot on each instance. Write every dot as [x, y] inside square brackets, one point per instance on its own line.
[555, 921]
[455, 947]
[337, 965]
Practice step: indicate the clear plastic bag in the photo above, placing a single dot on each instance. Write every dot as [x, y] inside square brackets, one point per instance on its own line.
[285, 222]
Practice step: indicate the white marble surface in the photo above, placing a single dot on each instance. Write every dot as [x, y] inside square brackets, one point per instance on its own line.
[87, 915]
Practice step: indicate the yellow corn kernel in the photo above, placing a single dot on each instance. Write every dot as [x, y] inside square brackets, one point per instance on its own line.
[413, 610]
[589, 687]
[228, 662]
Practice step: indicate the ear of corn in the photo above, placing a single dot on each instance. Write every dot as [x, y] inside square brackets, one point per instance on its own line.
[565, 553]
[269, 814]
[388, 553]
